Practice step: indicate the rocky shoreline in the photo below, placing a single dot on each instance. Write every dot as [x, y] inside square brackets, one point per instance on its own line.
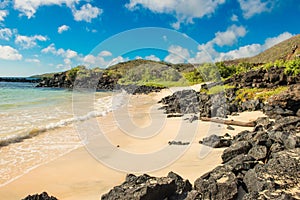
[95, 81]
[258, 164]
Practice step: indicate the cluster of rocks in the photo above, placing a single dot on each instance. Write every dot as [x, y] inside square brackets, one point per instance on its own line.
[224, 103]
[263, 78]
[207, 105]
[42, 196]
[259, 164]
[95, 81]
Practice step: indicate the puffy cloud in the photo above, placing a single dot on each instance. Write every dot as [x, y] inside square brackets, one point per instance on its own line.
[177, 54]
[63, 28]
[67, 55]
[105, 53]
[3, 14]
[101, 60]
[253, 7]
[86, 13]
[33, 60]
[9, 53]
[5, 34]
[29, 7]
[230, 36]
[29, 42]
[184, 10]
[152, 57]
[70, 54]
[242, 52]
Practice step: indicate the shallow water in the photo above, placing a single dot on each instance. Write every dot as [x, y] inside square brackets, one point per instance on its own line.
[44, 117]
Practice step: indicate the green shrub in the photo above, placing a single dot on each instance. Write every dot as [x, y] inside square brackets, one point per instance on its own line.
[292, 67]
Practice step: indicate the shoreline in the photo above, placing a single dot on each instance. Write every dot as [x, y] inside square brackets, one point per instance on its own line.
[78, 175]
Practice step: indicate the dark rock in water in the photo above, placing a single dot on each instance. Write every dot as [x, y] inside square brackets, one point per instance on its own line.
[258, 152]
[148, 188]
[241, 147]
[42, 196]
[215, 141]
[220, 183]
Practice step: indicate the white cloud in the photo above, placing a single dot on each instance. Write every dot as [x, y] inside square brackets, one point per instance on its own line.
[5, 34]
[105, 53]
[67, 55]
[177, 54]
[63, 28]
[242, 52]
[152, 57]
[29, 7]
[70, 54]
[230, 36]
[9, 53]
[275, 40]
[34, 60]
[86, 13]
[253, 7]
[101, 60]
[184, 10]
[3, 14]
[29, 42]
[234, 18]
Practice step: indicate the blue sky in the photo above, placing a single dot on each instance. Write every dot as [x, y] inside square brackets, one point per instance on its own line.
[40, 36]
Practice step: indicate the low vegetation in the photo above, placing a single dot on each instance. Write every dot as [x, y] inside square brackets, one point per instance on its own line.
[258, 93]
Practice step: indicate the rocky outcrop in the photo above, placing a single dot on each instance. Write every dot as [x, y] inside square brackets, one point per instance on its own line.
[42, 196]
[207, 105]
[95, 81]
[215, 141]
[286, 103]
[147, 188]
[263, 78]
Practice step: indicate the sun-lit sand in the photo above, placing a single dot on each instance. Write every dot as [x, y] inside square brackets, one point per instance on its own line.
[79, 175]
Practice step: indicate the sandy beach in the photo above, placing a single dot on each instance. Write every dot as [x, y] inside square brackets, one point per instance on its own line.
[79, 175]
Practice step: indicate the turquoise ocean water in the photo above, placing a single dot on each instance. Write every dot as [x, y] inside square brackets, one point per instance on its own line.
[25, 109]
